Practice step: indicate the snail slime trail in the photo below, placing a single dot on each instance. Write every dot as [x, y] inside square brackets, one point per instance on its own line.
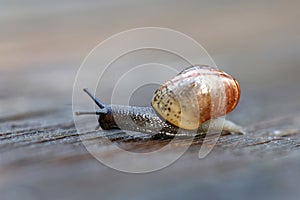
[192, 101]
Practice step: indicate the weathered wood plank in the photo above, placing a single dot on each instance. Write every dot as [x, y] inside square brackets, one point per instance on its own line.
[52, 158]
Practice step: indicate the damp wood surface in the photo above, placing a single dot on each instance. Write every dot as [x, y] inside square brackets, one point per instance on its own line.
[43, 156]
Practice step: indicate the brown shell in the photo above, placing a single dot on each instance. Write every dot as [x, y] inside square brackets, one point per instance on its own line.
[195, 95]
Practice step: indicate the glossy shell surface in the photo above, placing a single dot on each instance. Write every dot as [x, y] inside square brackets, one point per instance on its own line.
[195, 95]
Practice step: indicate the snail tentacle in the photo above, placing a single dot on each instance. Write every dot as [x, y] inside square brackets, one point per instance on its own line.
[96, 100]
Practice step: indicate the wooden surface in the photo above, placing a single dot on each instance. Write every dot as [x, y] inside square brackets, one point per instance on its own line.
[43, 157]
[49, 161]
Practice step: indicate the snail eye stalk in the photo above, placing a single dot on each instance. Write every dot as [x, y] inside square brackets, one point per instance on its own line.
[99, 103]
[96, 100]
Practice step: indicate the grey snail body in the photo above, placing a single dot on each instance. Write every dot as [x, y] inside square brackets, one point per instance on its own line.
[138, 119]
[190, 103]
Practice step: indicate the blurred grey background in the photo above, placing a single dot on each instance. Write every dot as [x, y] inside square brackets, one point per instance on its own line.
[43, 43]
[46, 41]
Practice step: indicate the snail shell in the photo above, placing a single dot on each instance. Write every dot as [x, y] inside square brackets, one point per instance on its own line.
[195, 95]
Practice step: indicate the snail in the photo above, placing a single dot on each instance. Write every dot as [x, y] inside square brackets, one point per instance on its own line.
[191, 103]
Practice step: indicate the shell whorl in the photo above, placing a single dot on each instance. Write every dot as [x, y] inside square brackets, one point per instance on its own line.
[195, 95]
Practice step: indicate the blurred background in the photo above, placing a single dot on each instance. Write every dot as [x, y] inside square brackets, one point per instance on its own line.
[43, 43]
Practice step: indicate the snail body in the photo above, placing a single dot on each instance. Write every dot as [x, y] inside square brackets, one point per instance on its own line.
[190, 102]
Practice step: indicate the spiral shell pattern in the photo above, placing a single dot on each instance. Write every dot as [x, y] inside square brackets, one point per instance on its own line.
[195, 95]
